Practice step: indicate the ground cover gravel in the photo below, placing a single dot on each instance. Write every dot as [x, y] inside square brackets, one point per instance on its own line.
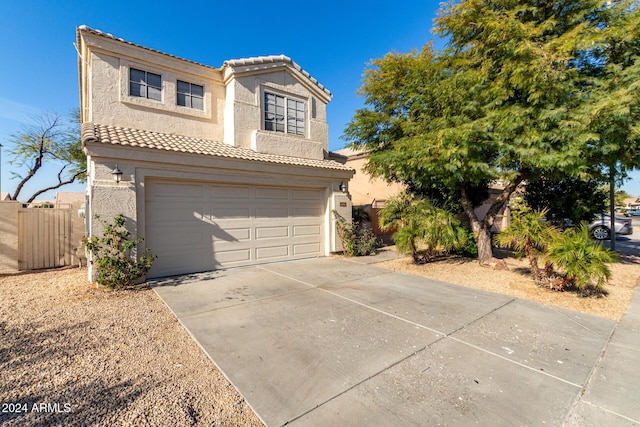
[73, 355]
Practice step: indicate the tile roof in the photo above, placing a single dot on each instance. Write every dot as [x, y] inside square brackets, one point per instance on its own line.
[273, 59]
[105, 134]
[243, 62]
[112, 37]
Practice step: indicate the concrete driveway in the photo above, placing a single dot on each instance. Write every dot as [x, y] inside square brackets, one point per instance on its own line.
[333, 342]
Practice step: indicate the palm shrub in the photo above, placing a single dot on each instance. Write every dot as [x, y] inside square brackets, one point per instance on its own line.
[529, 235]
[583, 261]
[424, 230]
[115, 255]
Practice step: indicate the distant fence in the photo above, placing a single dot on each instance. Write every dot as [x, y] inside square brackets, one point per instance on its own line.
[36, 237]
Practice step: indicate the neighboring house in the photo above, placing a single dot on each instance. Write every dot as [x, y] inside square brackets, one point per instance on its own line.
[214, 167]
[367, 192]
[4, 196]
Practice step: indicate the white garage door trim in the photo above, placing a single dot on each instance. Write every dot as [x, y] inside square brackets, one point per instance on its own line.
[201, 226]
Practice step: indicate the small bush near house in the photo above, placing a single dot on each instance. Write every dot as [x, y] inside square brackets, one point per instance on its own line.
[115, 256]
[357, 239]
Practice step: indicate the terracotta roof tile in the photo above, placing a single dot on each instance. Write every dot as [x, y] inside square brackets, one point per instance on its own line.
[114, 135]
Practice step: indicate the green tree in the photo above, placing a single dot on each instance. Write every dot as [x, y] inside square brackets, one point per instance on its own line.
[48, 140]
[499, 104]
[611, 86]
[566, 197]
[424, 230]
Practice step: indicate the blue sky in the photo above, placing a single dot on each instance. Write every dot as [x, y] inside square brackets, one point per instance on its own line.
[332, 40]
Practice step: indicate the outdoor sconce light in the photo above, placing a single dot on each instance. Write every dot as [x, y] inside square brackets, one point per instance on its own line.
[116, 174]
[343, 187]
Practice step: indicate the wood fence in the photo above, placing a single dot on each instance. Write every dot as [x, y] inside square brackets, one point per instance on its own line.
[44, 237]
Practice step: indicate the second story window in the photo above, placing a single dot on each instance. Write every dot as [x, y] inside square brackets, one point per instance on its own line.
[144, 84]
[190, 95]
[283, 114]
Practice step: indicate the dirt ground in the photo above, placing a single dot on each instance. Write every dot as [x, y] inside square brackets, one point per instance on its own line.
[74, 355]
[517, 282]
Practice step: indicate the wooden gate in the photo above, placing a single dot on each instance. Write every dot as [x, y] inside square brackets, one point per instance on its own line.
[44, 239]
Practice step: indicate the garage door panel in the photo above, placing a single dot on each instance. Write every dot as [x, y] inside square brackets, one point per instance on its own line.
[270, 213]
[306, 195]
[230, 258]
[231, 212]
[175, 214]
[272, 193]
[272, 232]
[164, 190]
[272, 252]
[228, 191]
[306, 249]
[230, 225]
[307, 230]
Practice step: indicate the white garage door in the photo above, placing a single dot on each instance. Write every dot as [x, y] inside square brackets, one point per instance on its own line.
[196, 226]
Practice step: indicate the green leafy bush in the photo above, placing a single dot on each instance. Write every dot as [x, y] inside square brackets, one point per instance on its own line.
[424, 230]
[357, 239]
[115, 256]
[529, 235]
[582, 260]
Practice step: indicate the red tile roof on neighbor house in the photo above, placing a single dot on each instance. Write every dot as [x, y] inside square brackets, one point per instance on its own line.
[114, 135]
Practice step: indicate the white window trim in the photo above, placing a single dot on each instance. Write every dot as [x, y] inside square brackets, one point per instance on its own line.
[286, 95]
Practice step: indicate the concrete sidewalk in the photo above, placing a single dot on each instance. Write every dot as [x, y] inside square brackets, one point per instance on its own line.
[333, 342]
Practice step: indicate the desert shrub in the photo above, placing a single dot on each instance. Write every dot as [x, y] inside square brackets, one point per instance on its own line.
[115, 257]
[424, 230]
[529, 235]
[583, 261]
[357, 239]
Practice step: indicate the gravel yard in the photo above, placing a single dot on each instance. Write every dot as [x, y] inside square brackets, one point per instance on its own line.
[74, 355]
[517, 282]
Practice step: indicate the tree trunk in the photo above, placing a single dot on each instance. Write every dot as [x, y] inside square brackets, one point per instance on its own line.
[482, 229]
[483, 240]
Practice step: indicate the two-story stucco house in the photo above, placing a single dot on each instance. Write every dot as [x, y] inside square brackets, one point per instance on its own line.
[219, 167]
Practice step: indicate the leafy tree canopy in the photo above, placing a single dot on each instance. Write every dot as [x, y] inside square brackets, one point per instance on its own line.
[508, 100]
[567, 197]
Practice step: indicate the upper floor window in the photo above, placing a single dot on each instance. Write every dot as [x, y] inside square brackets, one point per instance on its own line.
[144, 84]
[284, 114]
[190, 95]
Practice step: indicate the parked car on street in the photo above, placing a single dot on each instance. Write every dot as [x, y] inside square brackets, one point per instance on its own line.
[635, 211]
[600, 227]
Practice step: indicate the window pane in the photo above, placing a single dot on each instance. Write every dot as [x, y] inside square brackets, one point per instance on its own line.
[154, 93]
[197, 103]
[135, 89]
[197, 90]
[154, 80]
[136, 75]
[183, 87]
[181, 99]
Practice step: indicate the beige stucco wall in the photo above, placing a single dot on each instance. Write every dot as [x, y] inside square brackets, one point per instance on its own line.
[232, 104]
[364, 189]
[245, 95]
[9, 235]
[105, 95]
